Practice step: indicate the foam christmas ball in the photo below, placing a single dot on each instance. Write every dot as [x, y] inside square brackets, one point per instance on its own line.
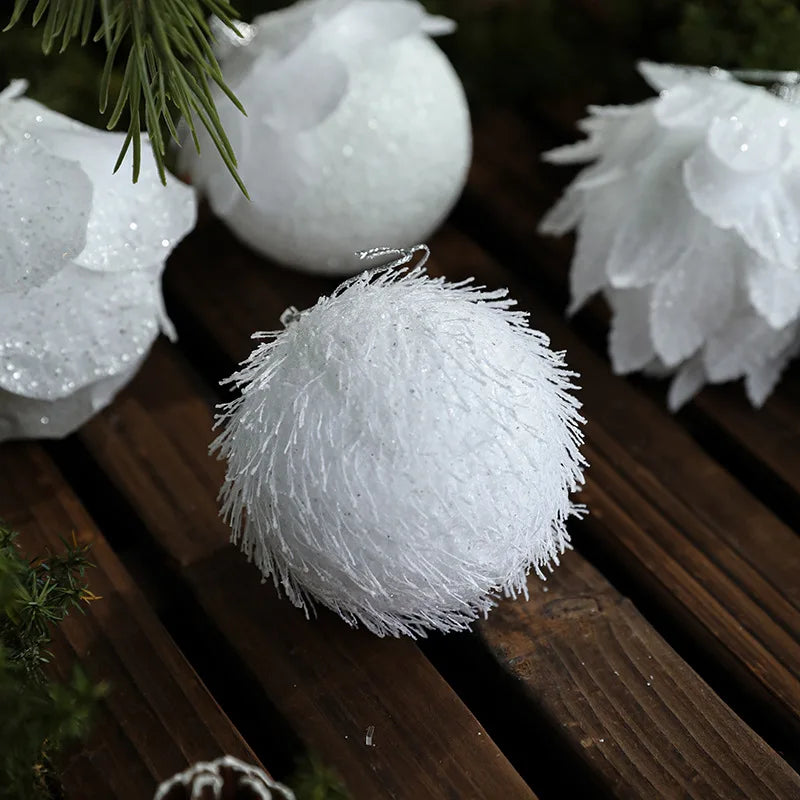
[687, 222]
[357, 132]
[402, 453]
[81, 256]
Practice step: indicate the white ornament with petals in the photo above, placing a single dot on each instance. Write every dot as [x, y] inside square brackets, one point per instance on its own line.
[81, 256]
[688, 222]
[403, 452]
[357, 131]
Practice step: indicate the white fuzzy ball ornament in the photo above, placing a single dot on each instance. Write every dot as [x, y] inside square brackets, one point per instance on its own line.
[403, 452]
[81, 256]
[357, 132]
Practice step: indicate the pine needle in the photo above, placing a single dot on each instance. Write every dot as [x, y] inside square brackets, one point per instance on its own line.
[169, 66]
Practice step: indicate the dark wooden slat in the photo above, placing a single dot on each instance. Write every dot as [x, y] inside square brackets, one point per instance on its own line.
[620, 696]
[329, 681]
[510, 184]
[697, 534]
[268, 292]
[158, 717]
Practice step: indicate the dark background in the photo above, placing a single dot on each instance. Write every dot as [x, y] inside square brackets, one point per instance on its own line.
[509, 52]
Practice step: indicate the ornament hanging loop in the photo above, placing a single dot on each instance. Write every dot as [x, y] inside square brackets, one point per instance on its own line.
[290, 316]
[406, 255]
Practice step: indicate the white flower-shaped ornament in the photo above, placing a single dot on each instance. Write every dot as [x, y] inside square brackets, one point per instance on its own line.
[81, 256]
[688, 221]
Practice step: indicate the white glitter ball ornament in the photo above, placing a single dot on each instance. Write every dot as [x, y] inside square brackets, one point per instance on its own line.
[403, 452]
[81, 256]
[357, 132]
[688, 222]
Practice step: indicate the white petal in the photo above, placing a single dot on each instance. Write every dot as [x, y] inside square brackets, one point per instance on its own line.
[43, 217]
[601, 113]
[667, 76]
[652, 236]
[630, 347]
[603, 210]
[78, 328]
[302, 91]
[27, 418]
[586, 150]
[774, 290]
[688, 381]
[743, 345]
[378, 23]
[132, 225]
[309, 83]
[565, 214]
[437, 25]
[752, 138]
[693, 298]
[727, 197]
[757, 194]
[761, 380]
[773, 229]
[690, 106]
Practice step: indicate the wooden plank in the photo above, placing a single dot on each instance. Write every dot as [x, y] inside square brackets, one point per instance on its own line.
[717, 559]
[329, 681]
[510, 185]
[158, 717]
[622, 699]
[273, 288]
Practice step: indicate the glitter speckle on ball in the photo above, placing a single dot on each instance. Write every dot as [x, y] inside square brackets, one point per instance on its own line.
[403, 452]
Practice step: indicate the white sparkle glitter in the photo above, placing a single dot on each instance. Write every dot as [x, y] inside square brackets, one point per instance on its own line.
[77, 307]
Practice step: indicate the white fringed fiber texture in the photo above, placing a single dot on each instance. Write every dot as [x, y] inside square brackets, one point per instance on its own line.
[357, 132]
[227, 777]
[81, 255]
[688, 222]
[402, 453]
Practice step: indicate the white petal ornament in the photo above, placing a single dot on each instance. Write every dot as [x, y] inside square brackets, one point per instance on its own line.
[688, 222]
[357, 131]
[403, 452]
[81, 257]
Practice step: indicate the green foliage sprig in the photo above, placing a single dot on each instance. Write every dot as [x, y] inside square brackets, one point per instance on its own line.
[169, 65]
[313, 780]
[38, 717]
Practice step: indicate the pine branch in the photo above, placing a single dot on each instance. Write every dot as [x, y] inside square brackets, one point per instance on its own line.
[169, 66]
[38, 717]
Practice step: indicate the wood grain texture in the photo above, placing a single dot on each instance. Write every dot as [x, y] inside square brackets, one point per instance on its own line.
[455, 257]
[158, 717]
[510, 184]
[623, 701]
[724, 567]
[333, 682]
[328, 681]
